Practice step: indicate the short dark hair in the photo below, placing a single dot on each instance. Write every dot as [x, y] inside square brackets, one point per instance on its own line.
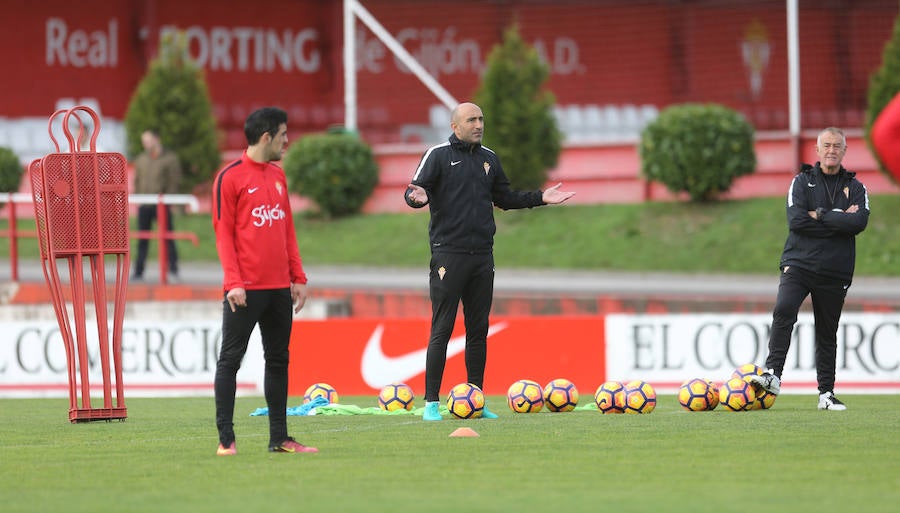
[264, 120]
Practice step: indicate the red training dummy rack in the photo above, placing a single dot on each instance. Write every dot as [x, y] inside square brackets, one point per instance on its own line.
[81, 210]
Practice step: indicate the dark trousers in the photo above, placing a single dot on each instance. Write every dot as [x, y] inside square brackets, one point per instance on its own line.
[454, 278]
[146, 217]
[273, 311]
[827, 300]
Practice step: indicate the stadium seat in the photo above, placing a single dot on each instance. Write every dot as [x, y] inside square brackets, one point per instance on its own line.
[612, 120]
[813, 118]
[298, 116]
[631, 120]
[853, 118]
[560, 114]
[319, 115]
[18, 140]
[439, 116]
[575, 127]
[237, 115]
[5, 130]
[220, 114]
[593, 120]
[648, 114]
[235, 139]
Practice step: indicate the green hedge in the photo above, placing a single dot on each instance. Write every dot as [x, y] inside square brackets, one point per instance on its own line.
[11, 170]
[335, 170]
[697, 149]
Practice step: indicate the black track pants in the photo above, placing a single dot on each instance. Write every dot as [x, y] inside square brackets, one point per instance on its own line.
[272, 310]
[146, 217]
[827, 300]
[454, 278]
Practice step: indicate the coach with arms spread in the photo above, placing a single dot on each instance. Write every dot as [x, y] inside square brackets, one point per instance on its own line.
[461, 181]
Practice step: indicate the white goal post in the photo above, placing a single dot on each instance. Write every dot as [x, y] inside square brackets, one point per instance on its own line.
[354, 9]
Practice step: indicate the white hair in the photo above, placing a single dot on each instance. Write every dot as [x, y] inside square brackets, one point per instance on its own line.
[831, 130]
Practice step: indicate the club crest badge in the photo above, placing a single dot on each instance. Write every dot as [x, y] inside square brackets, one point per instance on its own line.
[847, 192]
[487, 168]
[441, 272]
[278, 188]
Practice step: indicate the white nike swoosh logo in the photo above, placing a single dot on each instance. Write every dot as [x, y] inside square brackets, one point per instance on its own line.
[455, 163]
[251, 190]
[810, 185]
[379, 369]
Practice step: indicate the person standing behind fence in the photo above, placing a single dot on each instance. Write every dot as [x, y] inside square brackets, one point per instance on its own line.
[156, 171]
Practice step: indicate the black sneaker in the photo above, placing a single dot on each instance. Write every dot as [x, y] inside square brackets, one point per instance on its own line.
[828, 401]
[292, 446]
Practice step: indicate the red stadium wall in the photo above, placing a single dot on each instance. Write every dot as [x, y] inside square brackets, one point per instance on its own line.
[599, 53]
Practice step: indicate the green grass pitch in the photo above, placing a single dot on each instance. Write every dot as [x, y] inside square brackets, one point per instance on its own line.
[162, 459]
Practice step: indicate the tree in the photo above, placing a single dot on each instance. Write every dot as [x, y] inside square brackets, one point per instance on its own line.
[519, 122]
[883, 86]
[173, 99]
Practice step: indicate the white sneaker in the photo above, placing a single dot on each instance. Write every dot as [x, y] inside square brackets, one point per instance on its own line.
[828, 401]
[767, 381]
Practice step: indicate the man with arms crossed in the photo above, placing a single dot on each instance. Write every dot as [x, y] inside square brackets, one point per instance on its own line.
[826, 208]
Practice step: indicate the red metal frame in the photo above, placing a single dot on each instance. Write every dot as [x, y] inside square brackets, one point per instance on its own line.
[81, 210]
[161, 234]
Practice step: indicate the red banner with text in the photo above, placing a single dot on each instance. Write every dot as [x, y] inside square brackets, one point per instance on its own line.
[359, 356]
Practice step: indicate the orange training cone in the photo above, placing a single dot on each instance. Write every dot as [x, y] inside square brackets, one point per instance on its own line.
[464, 431]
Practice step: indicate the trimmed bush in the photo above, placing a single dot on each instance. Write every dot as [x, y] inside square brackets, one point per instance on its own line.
[697, 149]
[883, 86]
[335, 170]
[11, 170]
[519, 122]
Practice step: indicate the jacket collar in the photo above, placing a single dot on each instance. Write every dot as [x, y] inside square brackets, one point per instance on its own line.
[261, 166]
[816, 170]
[463, 146]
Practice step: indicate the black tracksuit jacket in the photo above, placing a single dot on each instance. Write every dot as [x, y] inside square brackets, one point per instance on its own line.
[464, 182]
[827, 245]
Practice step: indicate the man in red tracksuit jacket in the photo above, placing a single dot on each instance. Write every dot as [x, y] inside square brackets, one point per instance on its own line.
[263, 274]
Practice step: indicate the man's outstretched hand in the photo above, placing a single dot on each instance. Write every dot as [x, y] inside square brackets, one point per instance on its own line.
[554, 196]
[417, 194]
